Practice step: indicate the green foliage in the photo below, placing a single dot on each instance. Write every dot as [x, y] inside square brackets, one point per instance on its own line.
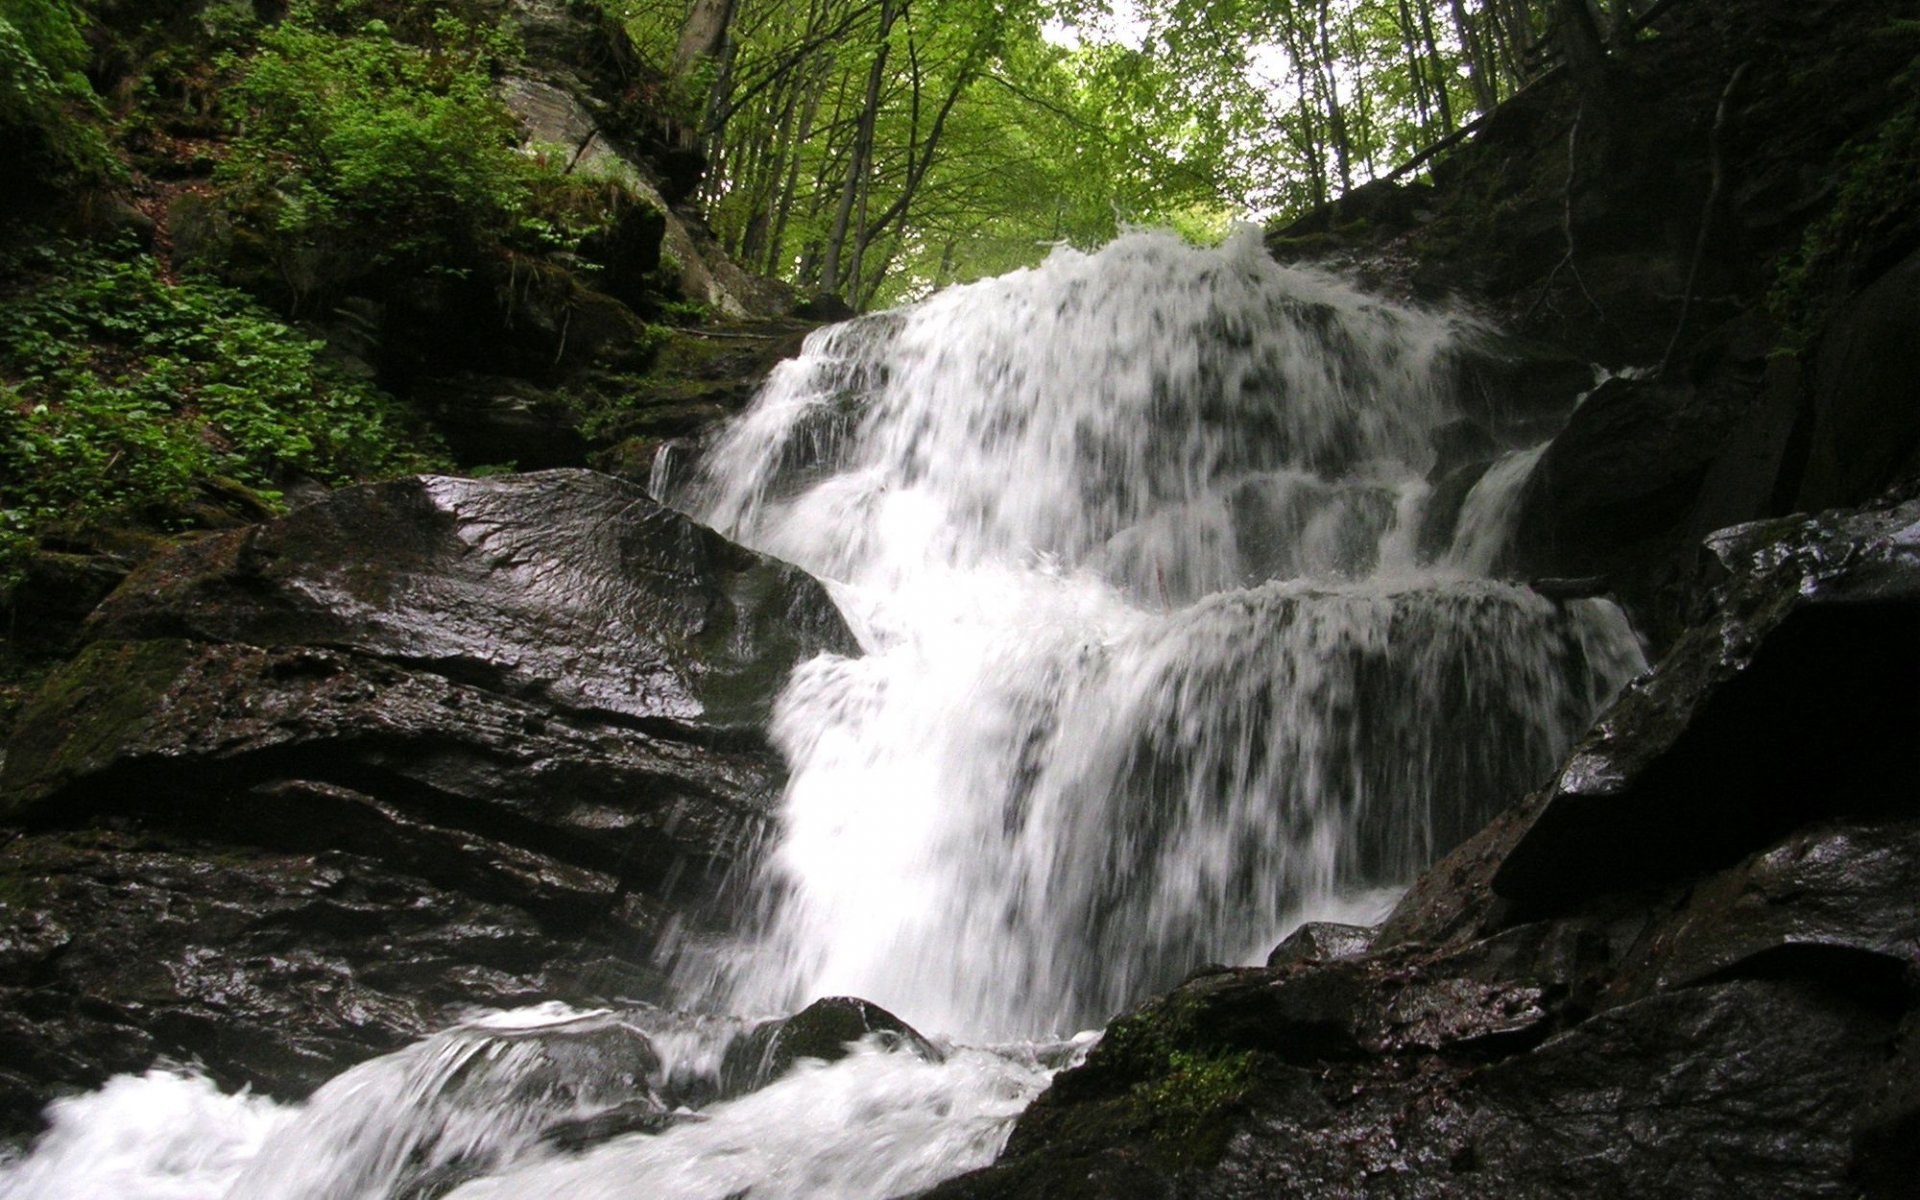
[1876, 204]
[362, 145]
[1188, 1102]
[120, 395]
[49, 131]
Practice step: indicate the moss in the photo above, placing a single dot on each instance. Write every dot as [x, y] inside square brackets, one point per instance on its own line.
[1191, 1108]
[1875, 216]
[1153, 1084]
[87, 714]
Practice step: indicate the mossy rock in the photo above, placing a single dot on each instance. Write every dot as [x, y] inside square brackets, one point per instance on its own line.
[87, 716]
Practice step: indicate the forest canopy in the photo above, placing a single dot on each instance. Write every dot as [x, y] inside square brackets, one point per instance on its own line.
[877, 148]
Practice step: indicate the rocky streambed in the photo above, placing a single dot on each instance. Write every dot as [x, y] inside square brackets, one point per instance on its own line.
[314, 786]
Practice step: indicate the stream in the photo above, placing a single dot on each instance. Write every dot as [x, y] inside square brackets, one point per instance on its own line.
[1159, 661]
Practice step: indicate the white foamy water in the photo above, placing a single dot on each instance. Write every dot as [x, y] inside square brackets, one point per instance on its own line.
[1153, 670]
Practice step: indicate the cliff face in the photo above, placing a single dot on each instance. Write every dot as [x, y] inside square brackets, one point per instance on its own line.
[1731, 233]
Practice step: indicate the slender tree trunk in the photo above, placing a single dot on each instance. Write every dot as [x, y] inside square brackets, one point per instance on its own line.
[1330, 98]
[1440, 73]
[1585, 53]
[1416, 72]
[1478, 63]
[777, 241]
[703, 36]
[859, 161]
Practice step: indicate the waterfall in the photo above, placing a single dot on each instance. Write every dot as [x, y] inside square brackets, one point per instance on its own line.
[1151, 668]
[1154, 667]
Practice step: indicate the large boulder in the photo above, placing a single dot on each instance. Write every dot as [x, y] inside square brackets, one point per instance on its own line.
[420, 744]
[1685, 968]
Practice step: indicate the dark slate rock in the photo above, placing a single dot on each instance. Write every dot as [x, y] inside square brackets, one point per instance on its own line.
[1836, 899]
[1808, 675]
[565, 586]
[824, 1031]
[1745, 1088]
[516, 723]
[301, 747]
[269, 969]
[1320, 941]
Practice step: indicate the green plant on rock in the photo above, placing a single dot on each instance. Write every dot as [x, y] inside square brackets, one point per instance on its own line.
[122, 396]
[49, 116]
[1876, 204]
[1190, 1102]
[374, 150]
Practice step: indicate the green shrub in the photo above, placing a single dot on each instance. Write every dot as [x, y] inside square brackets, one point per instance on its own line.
[364, 144]
[49, 130]
[1876, 205]
[121, 394]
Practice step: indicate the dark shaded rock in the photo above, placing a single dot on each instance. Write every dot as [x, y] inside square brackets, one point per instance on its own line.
[45, 609]
[523, 714]
[1832, 901]
[1441, 520]
[1620, 478]
[500, 420]
[1321, 941]
[824, 1031]
[1865, 429]
[1699, 980]
[1886, 1134]
[1806, 676]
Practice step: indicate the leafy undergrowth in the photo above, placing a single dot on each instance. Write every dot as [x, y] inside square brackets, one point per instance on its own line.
[1872, 219]
[122, 398]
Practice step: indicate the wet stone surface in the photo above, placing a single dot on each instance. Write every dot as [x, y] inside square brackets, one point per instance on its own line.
[314, 786]
[1699, 979]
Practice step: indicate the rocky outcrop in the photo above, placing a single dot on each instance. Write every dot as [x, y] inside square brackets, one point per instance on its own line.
[1685, 968]
[421, 743]
[1594, 233]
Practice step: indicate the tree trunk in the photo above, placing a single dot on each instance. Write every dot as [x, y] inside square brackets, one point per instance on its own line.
[861, 157]
[703, 37]
[1585, 53]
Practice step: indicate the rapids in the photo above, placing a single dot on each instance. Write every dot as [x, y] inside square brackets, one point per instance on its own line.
[1155, 666]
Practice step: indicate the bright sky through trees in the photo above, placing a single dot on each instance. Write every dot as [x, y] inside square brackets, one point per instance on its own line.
[877, 149]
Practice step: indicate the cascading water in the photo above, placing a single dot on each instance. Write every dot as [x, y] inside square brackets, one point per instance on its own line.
[1153, 670]
[1151, 666]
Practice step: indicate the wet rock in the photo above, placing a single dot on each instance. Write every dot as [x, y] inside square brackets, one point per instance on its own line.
[270, 969]
[824, 1031]
[1745, 1087]
[1805, 677]
[1321, 941]
[567, 587]
[1701, 979]
[1832, 901]
[515, 723]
